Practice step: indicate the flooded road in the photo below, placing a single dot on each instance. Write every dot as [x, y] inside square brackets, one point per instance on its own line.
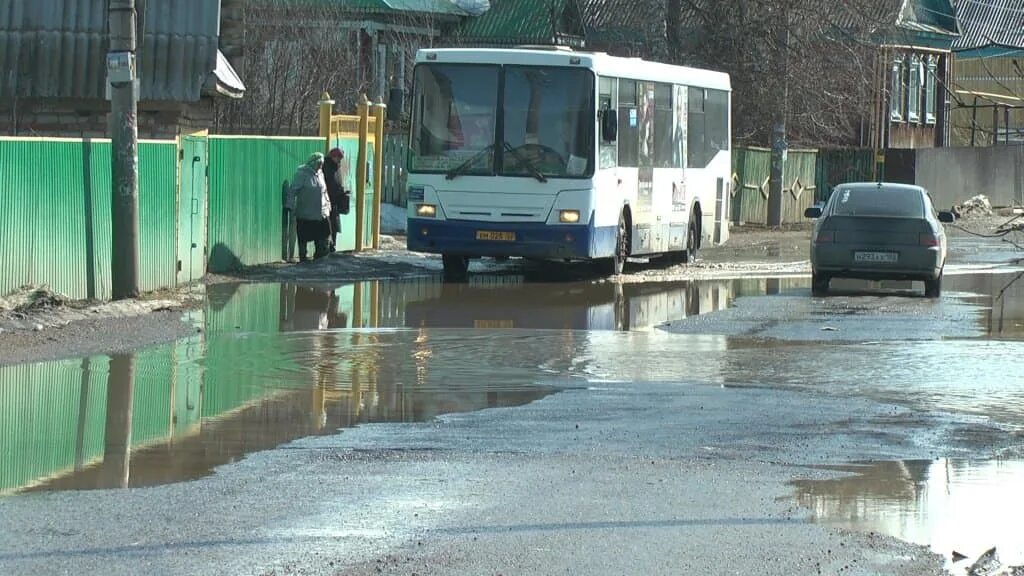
[951, 506]
[270, 364]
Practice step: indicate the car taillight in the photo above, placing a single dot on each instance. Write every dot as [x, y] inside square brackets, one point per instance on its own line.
[825, 237]
[928, 240]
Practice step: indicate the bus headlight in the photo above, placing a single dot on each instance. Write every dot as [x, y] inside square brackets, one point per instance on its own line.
[569, 216]
[426, 210]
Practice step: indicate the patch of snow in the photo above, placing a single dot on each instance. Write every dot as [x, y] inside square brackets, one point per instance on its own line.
[392, 219]
[976, 206]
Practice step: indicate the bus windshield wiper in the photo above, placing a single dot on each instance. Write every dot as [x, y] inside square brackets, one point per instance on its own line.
[461, 168]
[529, 165]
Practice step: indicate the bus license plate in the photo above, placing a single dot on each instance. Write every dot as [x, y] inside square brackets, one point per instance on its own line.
[490, 235]
[884, 257]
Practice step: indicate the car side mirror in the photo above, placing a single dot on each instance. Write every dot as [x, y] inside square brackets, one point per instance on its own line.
[609, 125]
[946, 216]
[813, 212]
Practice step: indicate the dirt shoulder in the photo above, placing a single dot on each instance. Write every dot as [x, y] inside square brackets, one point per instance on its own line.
[37, 324]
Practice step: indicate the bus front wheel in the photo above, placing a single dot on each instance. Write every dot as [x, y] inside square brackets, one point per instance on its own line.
[621, 245]
[455, 267]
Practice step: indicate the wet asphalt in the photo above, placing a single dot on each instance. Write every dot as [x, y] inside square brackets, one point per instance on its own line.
[658, 430]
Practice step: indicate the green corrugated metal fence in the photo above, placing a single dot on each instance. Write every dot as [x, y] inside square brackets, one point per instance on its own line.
[55, 215]
[55, 210]
[396, 154]
[247, 176]
[158, 204]
[838, 166]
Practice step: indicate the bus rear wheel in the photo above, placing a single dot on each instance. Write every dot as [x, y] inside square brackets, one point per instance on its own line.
[456, 268]
[689, 255]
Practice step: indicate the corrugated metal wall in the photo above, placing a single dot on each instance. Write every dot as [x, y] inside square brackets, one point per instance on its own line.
[55, 209]
[158, 207]
[55, 215]
[396, 154]
[246, 179]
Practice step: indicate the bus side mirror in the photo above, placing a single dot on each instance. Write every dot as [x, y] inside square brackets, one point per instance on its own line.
[609, 125]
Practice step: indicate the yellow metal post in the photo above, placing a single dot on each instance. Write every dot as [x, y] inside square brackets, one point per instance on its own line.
[326, 109]
[364, 121]
[379, 111]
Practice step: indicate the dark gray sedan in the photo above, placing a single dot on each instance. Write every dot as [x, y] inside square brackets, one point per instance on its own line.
[878, 231]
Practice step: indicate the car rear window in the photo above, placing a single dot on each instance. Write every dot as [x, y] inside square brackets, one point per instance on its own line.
[878, 202]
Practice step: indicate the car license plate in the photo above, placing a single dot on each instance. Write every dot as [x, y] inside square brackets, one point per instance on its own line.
[490, 235]
[883, 257]
[493, 324]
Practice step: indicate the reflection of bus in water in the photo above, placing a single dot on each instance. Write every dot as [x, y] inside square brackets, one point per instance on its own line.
[505, 303]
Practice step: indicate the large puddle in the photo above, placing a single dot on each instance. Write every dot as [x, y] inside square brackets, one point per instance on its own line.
[272, 363]
[951, 506]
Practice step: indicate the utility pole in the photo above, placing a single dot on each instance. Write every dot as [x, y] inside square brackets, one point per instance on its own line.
[779, 145]
[124, 136]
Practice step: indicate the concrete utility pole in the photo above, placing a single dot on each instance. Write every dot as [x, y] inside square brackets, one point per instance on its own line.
[780, 147]
[124, 137]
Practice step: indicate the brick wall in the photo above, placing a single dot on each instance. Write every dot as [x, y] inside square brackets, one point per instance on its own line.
[89, 118]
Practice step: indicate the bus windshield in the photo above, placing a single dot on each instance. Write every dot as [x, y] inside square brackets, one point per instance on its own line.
[546, 129]
[454, 117]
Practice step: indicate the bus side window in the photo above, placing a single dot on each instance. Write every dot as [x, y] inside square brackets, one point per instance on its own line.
[607, 124]
[629, 129]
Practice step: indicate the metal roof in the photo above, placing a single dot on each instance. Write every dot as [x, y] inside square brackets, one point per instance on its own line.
[57, 49]
[431, 7]
[515, 22]
[987, 23]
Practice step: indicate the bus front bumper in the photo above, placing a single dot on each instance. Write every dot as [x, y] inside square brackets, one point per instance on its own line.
[512, 239]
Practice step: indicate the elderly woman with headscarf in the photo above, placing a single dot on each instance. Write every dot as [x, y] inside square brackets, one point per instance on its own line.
[309, 200]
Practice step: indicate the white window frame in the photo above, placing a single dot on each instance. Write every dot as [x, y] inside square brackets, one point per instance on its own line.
[914, 86]
[896, 90]
[930, 95]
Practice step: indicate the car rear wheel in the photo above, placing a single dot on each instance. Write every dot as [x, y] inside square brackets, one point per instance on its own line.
[933, 288]
[819, 284]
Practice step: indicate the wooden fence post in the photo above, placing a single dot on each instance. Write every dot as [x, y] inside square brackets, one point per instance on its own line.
[379, 111]
[360, 199]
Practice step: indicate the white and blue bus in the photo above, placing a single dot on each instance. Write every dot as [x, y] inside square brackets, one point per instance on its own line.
[550, 153]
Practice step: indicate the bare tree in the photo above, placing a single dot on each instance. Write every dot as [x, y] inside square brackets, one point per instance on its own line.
[293, 51]
[812, 59]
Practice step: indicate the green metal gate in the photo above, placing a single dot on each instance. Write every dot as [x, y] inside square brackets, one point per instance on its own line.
[192, 209]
